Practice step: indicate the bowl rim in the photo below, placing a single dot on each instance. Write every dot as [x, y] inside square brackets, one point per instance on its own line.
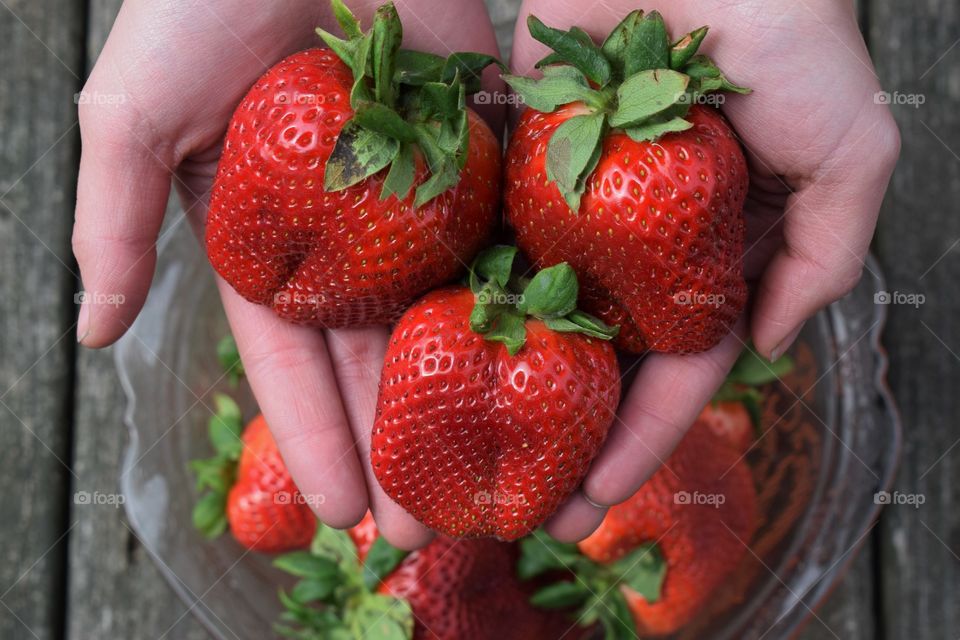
[834, 575]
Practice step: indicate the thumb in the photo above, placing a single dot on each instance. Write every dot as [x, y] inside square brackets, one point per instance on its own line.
[122, 191]
[121, 196]
[828, 226]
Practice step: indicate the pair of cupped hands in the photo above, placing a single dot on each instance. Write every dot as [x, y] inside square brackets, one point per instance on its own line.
[819, 145]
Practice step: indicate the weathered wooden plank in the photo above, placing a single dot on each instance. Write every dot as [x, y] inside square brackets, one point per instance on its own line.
[503, 14]
[917, 58]
[114, 589]
[849, 611]
[40, 54]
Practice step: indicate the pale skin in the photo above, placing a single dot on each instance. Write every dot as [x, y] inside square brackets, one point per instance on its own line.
[820, 152]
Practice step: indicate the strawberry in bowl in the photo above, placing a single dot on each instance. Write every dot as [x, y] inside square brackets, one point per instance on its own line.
[354, 585]
[247, 488]
[657, 559]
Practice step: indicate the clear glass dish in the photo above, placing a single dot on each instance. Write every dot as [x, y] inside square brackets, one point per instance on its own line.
[835, 417]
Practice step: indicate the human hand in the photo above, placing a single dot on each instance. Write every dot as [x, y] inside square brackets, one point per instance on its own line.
[820, 150]
[176, 76]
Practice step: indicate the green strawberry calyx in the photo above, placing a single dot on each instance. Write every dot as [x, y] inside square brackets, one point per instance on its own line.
[750, 372]
[218, 473]
[336, 595]
[229, 357]
[402, 100]
[505, 299]
[637, 81]
[594, 591]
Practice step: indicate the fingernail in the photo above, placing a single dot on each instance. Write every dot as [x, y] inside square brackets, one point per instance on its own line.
[785, 344]
[594, 504]
[83, 322]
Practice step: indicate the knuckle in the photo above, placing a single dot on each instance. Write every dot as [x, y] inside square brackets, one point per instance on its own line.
[271, 361]
[354, 360]
[888, 142]
[126, 248]
[846, 279]
[111, 123]
[713, 364]
[95, 117]
[839, 280]
[83, 248]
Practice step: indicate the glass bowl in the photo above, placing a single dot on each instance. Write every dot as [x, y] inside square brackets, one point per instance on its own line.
[833, 441]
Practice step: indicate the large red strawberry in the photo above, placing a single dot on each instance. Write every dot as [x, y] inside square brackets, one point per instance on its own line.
[493, 401]
[353, 179]
[449, 590]
[619, 169]
[667, 548]
[249, 488]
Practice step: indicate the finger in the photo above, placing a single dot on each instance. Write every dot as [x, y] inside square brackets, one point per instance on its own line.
[291, 375]
[357, 357]
[122, 191]
[661, 404]
[827, 229]
[575, 519]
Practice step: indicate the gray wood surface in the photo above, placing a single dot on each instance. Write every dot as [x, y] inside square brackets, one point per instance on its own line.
[38, 151]
[115, 590]
[76, 571]
[917, 242]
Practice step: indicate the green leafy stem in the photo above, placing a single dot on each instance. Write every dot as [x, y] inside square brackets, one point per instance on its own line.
[637, 81]
[505, 300]
[403, 101]
[750, 372]
[592, 589]
[336, 595]
[217, 474]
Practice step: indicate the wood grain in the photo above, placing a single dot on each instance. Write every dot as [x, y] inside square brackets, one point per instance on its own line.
[917, 54]
[38, 151]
